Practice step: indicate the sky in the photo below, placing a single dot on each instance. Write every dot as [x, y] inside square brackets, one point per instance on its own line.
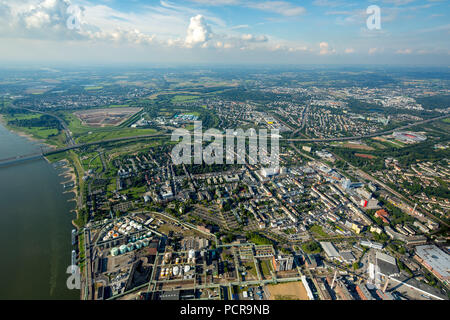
[411, 32]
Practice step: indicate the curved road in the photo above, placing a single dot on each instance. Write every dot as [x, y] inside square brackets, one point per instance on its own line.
[73, 145]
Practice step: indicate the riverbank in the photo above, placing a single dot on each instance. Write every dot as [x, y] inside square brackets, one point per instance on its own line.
[71, 175]
[25, 135]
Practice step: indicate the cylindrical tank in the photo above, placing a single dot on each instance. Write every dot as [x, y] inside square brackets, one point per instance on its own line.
[145, 243]
[115, 252]
[186, 269]
[191, 253]
[115, 235]
[123, 249]
[176, 271]
[110, 233]
[138, 244]
[105, 238]
[130, 247]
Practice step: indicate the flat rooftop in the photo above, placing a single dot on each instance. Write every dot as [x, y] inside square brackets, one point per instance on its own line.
[330, 250]
[436, 258]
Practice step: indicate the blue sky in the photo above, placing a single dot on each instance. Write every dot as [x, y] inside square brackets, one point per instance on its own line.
[224, 31]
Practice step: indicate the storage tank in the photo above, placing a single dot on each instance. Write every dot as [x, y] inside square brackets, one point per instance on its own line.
[123, 249]
[177, 260]
[145, 243]
[186, 269]
[176, 271]
[191, 253]
[105, 238]
[110, 233]
[115, 235]
[115, 252]
[138, 244]
[130, 247]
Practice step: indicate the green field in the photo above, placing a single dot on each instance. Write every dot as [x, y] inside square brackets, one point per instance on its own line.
[184, 98]
[50, 135]
[113, 134]
[318, 230]
[93, 88]
[84, 134]
[265, 268]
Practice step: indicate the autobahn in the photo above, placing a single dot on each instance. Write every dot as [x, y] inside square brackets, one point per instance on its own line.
[72, 145]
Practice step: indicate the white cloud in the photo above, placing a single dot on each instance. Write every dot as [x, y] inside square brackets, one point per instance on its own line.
[122, 35]
[252, 38]
[38, 19]
[281, 7]
[198, 32]
[325, 49]
[404, 51]
[216, 2]
[398, 2]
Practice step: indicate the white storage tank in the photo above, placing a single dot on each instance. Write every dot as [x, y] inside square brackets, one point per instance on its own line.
[123, 249]
[115, 252]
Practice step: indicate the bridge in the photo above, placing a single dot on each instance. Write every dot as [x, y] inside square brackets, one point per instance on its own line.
[34, 156]
[39, 155]
[20, 159]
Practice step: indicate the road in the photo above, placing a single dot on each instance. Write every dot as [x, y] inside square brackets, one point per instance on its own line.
[304, 112]
[80, 145]
[70, 140]
[376, 134]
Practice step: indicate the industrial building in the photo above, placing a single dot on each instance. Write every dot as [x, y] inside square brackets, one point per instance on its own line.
[330, 251]
[363, 292]
[409, 137]
[435, 260]
[384, 267]
[283, 262]
[371, 244]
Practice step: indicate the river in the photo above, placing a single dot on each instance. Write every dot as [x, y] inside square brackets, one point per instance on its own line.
[35, 225]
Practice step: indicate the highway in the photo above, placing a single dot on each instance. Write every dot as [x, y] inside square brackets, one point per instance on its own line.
[73, 145]
[376, 134]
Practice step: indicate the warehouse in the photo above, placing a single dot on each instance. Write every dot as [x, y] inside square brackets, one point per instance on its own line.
[435, 260]
[330, 251]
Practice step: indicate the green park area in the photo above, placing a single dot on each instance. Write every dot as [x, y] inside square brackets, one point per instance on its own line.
[36, 125]
[318, 231]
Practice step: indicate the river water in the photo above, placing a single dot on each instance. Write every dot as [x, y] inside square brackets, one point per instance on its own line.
[35, 225]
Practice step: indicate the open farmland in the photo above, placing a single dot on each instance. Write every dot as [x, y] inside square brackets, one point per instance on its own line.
[105, 117]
